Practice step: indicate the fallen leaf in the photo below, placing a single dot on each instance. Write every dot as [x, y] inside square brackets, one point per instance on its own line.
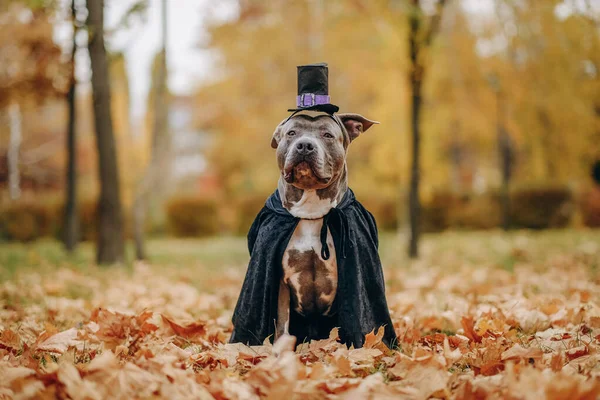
[469, 327]
[519, 352]
[190, 330]
[9, 340]
[577, 352]
[60, 342]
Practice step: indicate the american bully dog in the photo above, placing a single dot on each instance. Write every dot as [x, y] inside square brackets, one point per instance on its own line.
[314, 263]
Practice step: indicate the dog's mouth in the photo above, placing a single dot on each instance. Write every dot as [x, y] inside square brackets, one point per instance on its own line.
[302, 172]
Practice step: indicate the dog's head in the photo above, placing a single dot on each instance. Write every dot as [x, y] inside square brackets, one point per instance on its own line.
[311, 151]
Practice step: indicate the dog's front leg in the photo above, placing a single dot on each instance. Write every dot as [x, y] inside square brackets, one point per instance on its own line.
[283, 310]
[283, 340]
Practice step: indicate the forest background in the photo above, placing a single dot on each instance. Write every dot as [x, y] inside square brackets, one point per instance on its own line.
[507, 95]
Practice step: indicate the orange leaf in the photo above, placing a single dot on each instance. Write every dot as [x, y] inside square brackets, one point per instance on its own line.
[577, 352]
[190, 330]
[491, 368]
[342, 363]
[373, 339]
[519, 352]
[9, 340]
[469, 328]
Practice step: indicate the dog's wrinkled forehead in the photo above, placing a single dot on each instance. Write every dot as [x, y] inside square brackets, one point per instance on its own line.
[310, 122]
[350, 125]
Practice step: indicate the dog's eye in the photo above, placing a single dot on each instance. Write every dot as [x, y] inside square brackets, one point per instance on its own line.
[291, 133]
[328, 135]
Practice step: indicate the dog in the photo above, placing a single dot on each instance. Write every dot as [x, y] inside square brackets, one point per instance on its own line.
[311, 155]
[314, 262]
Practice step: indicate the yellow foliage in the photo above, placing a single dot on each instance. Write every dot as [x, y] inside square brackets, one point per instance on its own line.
[541, 77]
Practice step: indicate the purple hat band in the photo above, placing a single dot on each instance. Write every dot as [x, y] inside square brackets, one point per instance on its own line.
[310, 99]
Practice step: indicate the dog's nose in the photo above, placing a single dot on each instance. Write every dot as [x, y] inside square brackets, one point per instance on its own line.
[305, 147]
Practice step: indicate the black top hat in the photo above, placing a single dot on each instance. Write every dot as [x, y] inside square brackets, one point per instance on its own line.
[313, 89]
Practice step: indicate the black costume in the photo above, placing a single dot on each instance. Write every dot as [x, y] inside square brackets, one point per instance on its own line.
[360, 305]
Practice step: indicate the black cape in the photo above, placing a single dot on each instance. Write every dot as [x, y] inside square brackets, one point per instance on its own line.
[360, 305]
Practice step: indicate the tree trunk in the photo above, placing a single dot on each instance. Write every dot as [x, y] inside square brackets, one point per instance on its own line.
[14, 147]
[414, 199]
[506, 167]
[110, 247]
[418, 39]
[71, 222]
[139, 214]
[505, 156]
[416, 75]
[547, 144]
[153, 181]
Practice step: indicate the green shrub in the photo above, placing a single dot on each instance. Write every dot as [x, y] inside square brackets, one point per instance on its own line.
[476, 212]
[192, 216]
[590, 207]
[246, 208]
[541, 208]
[435, 214]
[87, 210]
[29, 220]
[385, 211]
[26, 221]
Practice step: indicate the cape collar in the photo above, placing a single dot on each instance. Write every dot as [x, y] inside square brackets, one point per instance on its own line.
[274, 203]
[335, 217]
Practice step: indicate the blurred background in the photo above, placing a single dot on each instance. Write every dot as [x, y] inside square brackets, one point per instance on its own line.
[171, 136]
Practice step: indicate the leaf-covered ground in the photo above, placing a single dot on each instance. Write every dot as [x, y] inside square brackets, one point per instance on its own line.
[481, 315]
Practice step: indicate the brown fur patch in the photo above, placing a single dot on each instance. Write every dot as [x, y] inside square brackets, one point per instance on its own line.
[314, 280]
[292, 196]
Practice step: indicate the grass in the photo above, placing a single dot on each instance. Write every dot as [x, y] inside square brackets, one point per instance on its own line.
[194, 258]
[209, 254]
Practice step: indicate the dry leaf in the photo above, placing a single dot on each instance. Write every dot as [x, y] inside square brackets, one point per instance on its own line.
[519, 352]
[471, 333]
[469, 328]
[60, 342]
[9, 340]
[190, 330]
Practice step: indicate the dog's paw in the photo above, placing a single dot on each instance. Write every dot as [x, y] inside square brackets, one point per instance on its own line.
[286, 342]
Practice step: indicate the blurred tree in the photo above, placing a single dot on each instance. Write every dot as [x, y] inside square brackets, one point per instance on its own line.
[505, 152]
[158, 168]
[30, 61]
[14, 147]
[129, 145]
[455, 121]
[31, 70]
[543, 60]
[110, 244]
[423, 30]
[523, 76]
[549, 68]
[71, 220]
[246, 100]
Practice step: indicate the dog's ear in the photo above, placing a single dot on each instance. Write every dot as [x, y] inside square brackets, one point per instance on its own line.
[356, 124]
[277, 134]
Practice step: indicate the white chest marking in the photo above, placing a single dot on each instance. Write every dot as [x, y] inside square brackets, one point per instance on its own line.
[310, 206]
